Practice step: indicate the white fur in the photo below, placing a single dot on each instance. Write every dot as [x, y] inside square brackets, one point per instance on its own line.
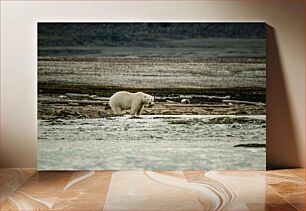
[129, 101]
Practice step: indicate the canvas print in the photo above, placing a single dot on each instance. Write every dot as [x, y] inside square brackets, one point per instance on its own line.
[151, 96]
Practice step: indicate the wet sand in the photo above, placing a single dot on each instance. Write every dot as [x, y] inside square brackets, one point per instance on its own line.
[79, 86]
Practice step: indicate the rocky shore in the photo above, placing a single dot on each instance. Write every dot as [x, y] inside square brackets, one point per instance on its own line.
[78, 106]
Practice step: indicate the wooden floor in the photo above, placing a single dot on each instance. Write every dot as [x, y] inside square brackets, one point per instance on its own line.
[27, 189]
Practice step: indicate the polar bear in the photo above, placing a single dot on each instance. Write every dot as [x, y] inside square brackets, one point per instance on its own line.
[130, 101]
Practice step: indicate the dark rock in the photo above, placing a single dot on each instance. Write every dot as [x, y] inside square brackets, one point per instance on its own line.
[232, 120]
[185, 122]
[251, 145]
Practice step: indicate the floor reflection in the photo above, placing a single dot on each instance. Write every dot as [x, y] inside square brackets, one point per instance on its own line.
[27, 189]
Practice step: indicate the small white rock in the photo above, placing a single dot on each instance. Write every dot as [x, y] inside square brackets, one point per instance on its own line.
[186, 101]
[62, 96]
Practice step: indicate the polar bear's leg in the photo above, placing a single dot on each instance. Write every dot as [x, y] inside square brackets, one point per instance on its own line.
[133, 111]
[116, 109]
[138, 112]
[136, 104]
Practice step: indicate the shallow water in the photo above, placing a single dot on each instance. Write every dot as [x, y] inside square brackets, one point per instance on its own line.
[151, 142]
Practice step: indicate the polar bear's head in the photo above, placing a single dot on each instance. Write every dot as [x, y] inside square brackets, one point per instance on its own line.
[149, 99]
[146, 98]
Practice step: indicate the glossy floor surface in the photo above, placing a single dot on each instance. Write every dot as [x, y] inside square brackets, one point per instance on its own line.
[27, 189]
